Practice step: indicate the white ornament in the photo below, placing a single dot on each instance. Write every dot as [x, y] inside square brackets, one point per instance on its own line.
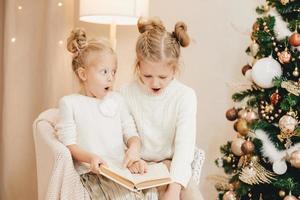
[279, 167]
[264, 71]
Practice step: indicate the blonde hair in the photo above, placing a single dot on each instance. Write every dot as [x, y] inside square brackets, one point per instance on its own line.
[82, 49]
[156, 44]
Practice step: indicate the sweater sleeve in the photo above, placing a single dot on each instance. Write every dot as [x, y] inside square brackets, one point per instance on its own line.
[66, 127]
[128, 124]
[185, 139]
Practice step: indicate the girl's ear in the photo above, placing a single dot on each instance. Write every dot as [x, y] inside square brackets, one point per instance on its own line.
[82, 73]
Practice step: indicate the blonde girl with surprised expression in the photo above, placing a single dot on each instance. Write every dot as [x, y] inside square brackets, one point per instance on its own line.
[94, 123]
[164, 109]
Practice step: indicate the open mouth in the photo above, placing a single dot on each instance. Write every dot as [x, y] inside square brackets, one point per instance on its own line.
[155, 89]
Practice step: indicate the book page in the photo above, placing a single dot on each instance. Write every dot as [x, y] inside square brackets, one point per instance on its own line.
[155, 171]
[155, 183]
[117, 178]
[117, 167]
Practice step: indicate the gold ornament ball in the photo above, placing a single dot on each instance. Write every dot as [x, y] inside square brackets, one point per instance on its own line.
[242, 127]
[255, 158]
[228, 159]
[284, 2]
[287, 124]
[248, 147]
[281, 193]
[294, 40]
[235, 126]
[290, 197]
[266, 8]
[229, 195]
[231, 114]
[255, 27]
[295, 159]
[296, 72]
[284, 57]
[236, 146]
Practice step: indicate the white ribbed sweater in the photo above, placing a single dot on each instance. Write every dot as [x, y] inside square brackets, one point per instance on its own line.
[166, 124]
[97, 126]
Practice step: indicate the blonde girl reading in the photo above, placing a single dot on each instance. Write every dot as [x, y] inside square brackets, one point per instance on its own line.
[94, 123]
[163, 108]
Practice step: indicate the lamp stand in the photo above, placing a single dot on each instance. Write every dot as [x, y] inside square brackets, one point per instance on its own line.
[113, 35]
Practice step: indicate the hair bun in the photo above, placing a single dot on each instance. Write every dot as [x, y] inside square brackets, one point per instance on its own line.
[181, 35]
[77, 40]
[144, 24]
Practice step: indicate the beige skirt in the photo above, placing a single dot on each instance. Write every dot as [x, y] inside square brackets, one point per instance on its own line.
[101, 188]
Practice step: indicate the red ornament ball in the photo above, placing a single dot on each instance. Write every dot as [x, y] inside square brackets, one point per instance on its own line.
[294, 40]
[275, 97]
[248, 147]
[231, 114]
[246, 68]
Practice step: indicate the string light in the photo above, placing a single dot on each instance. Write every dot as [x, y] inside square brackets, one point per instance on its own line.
[13, 39]
[60, 42]
[60, 4]
[20, 7]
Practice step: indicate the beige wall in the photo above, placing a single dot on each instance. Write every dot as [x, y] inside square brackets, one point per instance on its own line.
[1, 85]
[220, 33]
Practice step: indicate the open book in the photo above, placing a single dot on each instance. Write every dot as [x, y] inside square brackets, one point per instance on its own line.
[157, 175]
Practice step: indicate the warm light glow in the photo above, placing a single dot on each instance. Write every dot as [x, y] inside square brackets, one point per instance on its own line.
[13, 39]
[60, 42]
[20, 7]
[113, 11]
[60, 4]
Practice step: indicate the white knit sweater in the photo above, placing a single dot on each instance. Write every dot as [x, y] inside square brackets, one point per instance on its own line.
[166, 124]
[97, 126]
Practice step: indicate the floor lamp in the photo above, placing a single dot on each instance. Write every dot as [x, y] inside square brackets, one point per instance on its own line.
[113, 12]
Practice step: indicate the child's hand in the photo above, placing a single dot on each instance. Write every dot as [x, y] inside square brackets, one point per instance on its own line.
[138, 167]
[95, 163]
[132, 155]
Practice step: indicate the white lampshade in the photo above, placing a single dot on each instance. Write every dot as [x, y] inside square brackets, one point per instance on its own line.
[119, 12]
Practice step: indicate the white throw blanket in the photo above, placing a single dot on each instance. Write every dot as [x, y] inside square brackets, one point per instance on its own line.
[64, 182]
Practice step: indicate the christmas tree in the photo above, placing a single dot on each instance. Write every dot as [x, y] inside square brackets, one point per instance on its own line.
[263, 161]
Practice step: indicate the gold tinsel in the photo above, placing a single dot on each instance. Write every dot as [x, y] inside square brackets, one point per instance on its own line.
[221, 182]
[254, 174]
[291, 86]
